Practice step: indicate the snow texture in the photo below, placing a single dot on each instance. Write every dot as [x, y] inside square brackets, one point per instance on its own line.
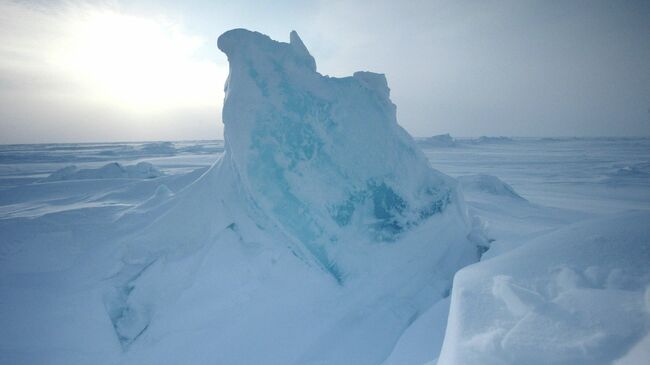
[574, 296]
[488, 184]
[142, 170]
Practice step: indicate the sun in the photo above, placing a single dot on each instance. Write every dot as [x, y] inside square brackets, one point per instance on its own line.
[140, 64]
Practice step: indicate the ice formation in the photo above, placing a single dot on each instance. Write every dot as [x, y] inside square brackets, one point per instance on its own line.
[322, 214]
[323, 157]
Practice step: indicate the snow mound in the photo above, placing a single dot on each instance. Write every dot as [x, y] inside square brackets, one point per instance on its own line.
[319, 235]
[578, 295]
[487, 184]
[114, 170]
[441, 140]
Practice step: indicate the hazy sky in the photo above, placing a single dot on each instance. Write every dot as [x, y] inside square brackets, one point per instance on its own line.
[150, 70]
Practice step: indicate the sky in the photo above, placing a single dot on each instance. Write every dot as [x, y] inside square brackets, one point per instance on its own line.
[88, 71]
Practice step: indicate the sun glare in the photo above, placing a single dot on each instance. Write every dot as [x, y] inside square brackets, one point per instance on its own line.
[140, 64]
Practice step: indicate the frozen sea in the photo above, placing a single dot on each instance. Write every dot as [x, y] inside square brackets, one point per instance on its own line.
[52, 223]
[595, 175]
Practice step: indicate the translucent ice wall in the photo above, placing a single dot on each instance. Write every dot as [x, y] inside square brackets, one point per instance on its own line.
[324, 157]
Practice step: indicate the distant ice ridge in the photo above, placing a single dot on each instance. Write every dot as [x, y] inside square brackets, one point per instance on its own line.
[319, 236]
[492, 140]
[114, 170]
[446, 140]
[440, 140]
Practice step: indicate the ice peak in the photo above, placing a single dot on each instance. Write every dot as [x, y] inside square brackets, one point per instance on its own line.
[294, 39]
[234, 39]
[259, 47]
[299, 47]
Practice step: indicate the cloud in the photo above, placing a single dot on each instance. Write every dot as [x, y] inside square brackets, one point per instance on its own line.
[70, 57]
[496, 67]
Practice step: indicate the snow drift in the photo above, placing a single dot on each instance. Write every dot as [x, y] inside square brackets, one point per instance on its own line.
[320, 234]
[579, 295]
[488, 184]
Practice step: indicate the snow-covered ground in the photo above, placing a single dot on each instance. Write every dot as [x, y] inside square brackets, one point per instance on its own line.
[56, 236]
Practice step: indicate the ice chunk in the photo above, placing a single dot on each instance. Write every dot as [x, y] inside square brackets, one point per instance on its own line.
[323, 156]
[300, 49]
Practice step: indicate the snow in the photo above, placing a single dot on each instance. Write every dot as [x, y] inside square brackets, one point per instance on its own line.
[422, 340]
[115, 170]
[60, 267]
[572, 296]
[487, 184]
[319, 233]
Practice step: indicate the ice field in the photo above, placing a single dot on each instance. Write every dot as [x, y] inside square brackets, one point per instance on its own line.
[320, 232]
[52, 231]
